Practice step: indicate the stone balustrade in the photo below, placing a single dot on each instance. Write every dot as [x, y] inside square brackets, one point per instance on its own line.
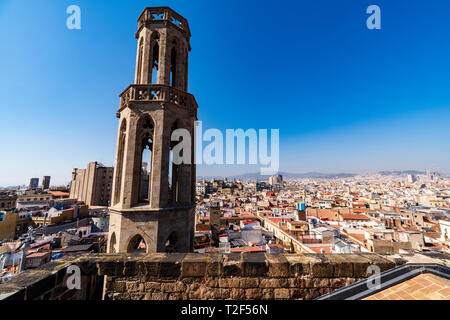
[163, 14]
[141, 93]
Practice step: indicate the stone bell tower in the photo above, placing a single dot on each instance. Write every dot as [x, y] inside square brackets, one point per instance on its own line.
[153, 199]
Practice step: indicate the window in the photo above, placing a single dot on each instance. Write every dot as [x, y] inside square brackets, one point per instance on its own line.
[139, 65]
[173, 66]
[137, 244]
[154, 66]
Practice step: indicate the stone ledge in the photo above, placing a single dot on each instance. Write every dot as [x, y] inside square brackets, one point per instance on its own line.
[243, 275]
[161, 265]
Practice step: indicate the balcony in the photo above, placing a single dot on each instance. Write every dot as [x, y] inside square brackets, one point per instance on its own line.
[144, 93]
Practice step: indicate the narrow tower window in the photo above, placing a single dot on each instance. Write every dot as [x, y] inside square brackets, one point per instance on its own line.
[155, 58]
[145, 167]
[139, 63]
[173, 170]
[119, 166]
[173, 66]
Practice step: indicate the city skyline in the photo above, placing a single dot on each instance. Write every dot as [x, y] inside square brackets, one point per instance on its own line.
[345, 98]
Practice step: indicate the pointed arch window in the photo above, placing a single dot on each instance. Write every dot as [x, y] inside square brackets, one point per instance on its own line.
[120, 162]
[173, 64]
[154, 65]
[137, 245]
[147, 127]
[139, 62]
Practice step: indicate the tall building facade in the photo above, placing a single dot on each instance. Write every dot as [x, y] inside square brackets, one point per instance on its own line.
[46, 183]
[92, 185]
[34, 184]
[160, 216]
[274, 180]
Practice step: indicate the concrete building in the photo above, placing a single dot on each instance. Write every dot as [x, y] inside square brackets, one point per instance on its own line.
[8, 223]
[92, 185]
[274, 180]
[34, 183]
[46, 182]
[7, 202]
[150, 111]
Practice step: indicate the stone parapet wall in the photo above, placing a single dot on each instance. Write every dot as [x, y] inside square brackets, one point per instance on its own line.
[200, 276]
[236, 276]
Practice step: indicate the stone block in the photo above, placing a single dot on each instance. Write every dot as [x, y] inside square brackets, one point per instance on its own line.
[282, 294]
[298, 265]
[152, 286]
[237, 294]
[321, 282]
[337, 283]
[254, 265]
[279, 266]
[320, 266]
[273, 283]
[173, 287]
[232, 265]
[249, 283]
[253, 294]
[193, 265]
[342, 264]
[214, 264]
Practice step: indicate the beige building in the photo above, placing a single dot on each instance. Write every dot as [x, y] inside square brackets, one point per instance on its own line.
[92, 185]
[7, 202]
[34, 196]
[8, 223]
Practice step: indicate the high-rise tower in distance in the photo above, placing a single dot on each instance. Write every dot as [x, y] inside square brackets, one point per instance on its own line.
[157, 216]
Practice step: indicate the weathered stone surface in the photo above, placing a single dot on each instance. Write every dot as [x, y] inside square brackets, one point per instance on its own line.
[282, 293]
[321, 282]
[337, 283]
[342, 264]
[180, 276]
[214, 264]
[254, 265]
[274, 283]
[232, 265]
[194, 265]
[298, 265]
[249, 283]
[173, 287]
[320, 267]
[253, 294]
[152, 286]
[237, 294]
[279, 266]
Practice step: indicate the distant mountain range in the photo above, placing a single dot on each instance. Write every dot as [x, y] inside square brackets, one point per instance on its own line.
[399, 173]
[313, 175]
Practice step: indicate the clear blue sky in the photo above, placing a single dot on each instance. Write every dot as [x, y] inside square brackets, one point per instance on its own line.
[345, 98]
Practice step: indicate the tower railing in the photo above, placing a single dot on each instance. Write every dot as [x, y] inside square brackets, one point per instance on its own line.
[163, 14]
[136, 93]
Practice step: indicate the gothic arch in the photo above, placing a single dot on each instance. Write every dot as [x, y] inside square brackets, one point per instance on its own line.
[120, 161]
[144, 143]
[155, 58]
[140, 61]
[112, 243]
[137, 244]
[173, 169]
[171, 242]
